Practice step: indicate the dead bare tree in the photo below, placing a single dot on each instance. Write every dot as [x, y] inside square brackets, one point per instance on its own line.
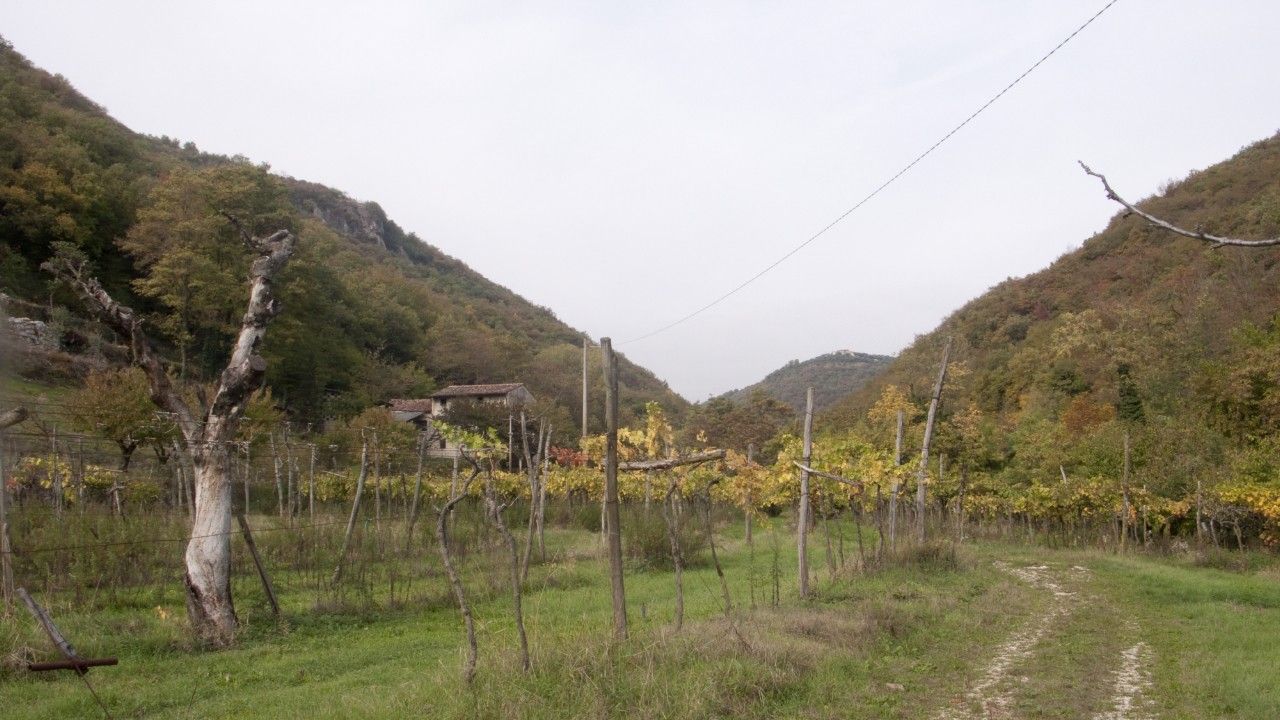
[496, 508]
[455, 580]
[1215, 241]
[711, 544]
[928, 436]
[533, 467]
[671, 512]
[206, 440]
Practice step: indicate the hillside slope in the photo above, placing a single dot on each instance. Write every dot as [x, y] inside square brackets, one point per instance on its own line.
[372, 311]
[832, 377]
[1137, 329]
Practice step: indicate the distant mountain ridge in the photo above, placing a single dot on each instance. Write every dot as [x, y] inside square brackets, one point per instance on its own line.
[832, 376]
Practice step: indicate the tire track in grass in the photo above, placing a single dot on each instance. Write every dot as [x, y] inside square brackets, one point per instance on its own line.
[992, 694]
[1130, 700]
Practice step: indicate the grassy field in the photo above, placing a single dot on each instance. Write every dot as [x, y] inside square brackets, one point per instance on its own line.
[999, 630]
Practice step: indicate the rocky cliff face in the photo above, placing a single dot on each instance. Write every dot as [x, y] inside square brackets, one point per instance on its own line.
[364, 222]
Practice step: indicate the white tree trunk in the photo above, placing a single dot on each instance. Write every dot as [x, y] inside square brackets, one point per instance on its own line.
[208, 555]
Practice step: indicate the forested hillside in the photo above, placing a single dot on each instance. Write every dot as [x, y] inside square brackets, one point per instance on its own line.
[1138, 332]
[832, 376]
[371, 311]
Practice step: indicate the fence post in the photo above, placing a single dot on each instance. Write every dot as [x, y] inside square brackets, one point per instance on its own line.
[257, 561]
[802, 522]
[611, 488]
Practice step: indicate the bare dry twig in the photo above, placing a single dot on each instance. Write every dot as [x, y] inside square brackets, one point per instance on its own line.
[1216, 241]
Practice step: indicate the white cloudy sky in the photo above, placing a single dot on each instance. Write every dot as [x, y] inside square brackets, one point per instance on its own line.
[625, 163]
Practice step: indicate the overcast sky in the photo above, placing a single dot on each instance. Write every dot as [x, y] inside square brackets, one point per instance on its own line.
[625, 163]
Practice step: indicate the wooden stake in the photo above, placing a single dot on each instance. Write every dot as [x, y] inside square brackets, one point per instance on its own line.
[542, 495]
[311, 486]
[895, 488]
[355, 511]
[671, 516]
[8, 419]
[584, 388]
[611, 488]
[751, 456]
[928, 436]
[257, 561]
[802, 521]
[1124, 492]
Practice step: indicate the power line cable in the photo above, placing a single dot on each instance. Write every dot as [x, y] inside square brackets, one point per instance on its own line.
[879, 188]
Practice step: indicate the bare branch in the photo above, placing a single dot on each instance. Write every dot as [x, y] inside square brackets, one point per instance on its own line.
[855, 483]
[1197, 234]
[246, 367]
[125, 321]
[244, 234]
[672, 462]
[12, 417]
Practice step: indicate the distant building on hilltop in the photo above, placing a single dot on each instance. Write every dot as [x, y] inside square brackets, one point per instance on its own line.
[422, 411]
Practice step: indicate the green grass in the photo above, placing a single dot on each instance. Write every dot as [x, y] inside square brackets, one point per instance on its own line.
[925, 624]
[1216, 634]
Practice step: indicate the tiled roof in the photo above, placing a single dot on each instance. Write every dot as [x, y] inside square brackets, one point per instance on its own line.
[420, 406]
[475, 390]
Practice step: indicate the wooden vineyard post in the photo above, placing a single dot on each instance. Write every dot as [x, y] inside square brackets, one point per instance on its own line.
[802, 522]
[924, 450]
[1124, 492]
[614, 532]
[355, 510]
[257, 561]
[584, 388]
[751, 458]
[72, 660]
[8, 419]
[895, 487]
